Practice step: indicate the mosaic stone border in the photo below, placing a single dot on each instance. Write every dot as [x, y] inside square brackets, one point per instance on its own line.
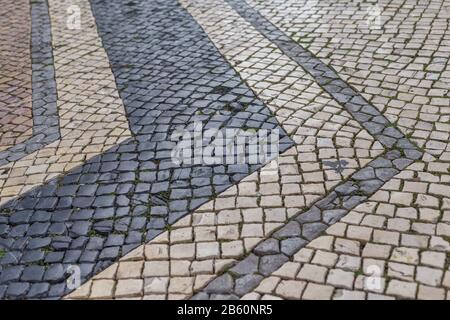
[44, 106]
[269, 255]
[361, 110]
[114, 202]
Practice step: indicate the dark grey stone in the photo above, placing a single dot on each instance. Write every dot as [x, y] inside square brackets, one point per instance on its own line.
[17, 289]
[413, 154]
[364, 174]
[385, 140]
[312, 215]
[312, 230]
[346, 188]
[291, 229]
[54, 273]
[332, 216]
[370, 186]
[270, 263]
[380, 163]
[222, 284]
[110, 253]
[401, 164]
[269, 246]
[392, 132]
[32, 256]
[246, 266]
[2, 291]
[38, 229]
[80, 228]
[198, 296]
[38, 290]
[37, 243]
[224, 297]
[353, 201]
[373, 127]
[10, 274]
[386, 174]
[33, 274]
[247, 283]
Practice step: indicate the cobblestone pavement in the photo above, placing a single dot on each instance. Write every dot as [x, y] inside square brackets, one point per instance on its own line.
[15, 85]
[354, 205]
